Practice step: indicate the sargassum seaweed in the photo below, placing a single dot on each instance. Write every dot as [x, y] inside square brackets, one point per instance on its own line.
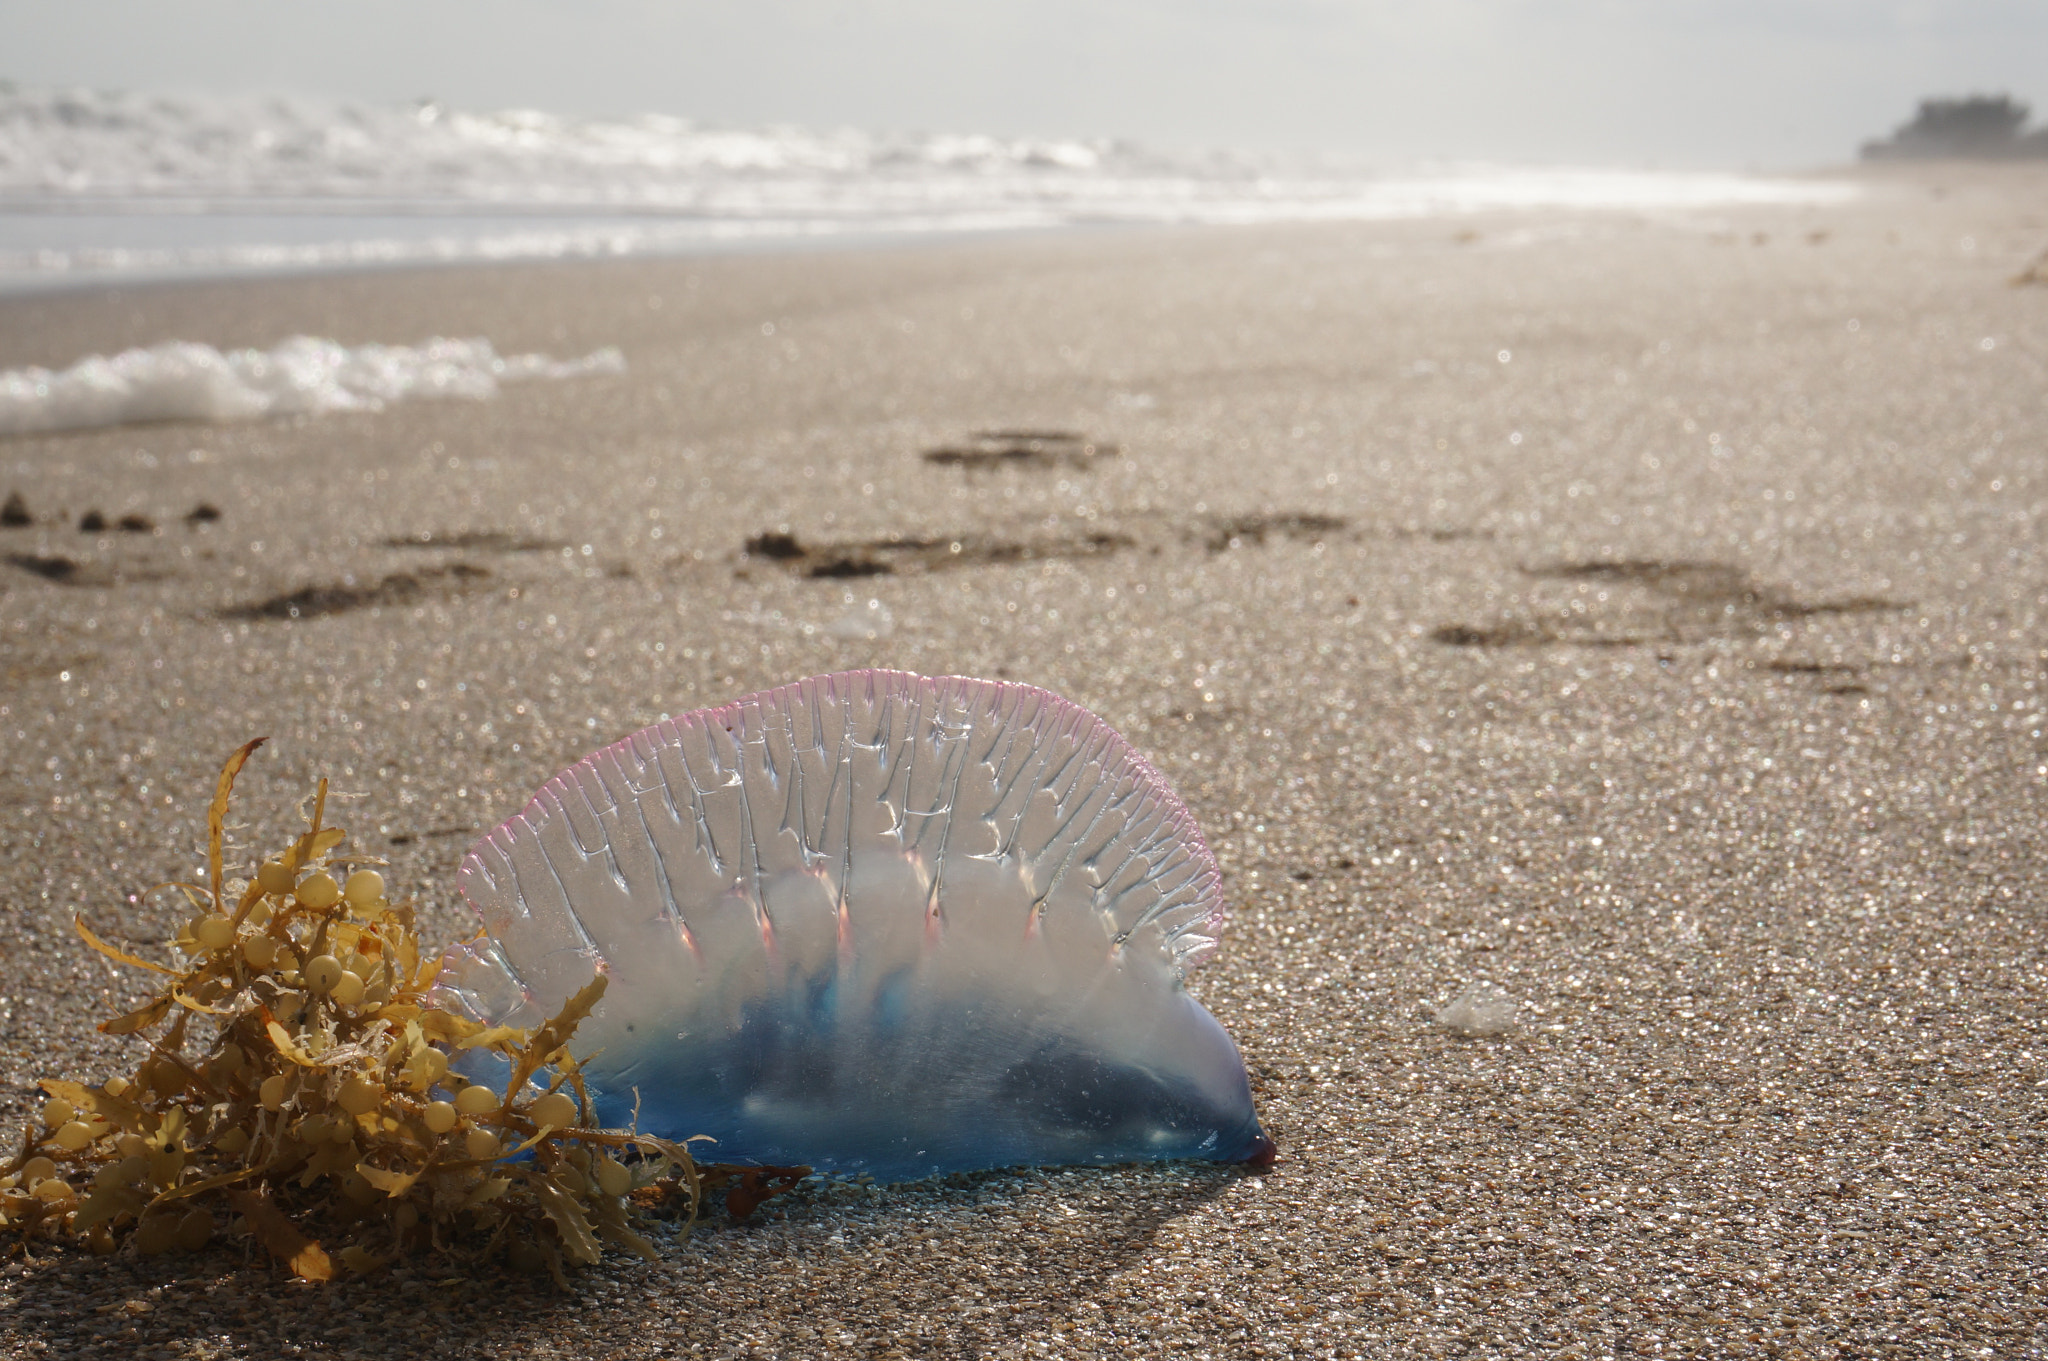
[297, 1086]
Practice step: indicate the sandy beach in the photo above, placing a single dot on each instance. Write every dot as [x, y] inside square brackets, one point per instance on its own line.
[1640, 619]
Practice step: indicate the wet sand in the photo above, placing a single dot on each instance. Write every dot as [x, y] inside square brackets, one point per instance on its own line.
[1643, 619]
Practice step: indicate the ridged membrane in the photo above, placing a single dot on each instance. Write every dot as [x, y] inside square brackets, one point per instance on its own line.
[872, 922]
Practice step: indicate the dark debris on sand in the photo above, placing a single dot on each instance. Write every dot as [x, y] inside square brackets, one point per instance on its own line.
[775, 545]
[1656, 601]
[987, 449]
[399, 588]
[1240, 531]
[54, 567]
[134, 522]
[905, 555]
[476, 541]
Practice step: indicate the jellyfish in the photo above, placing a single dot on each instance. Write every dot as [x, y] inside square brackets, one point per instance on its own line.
[875, 924]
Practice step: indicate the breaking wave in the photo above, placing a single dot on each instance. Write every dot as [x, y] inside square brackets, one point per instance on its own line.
[93, 182]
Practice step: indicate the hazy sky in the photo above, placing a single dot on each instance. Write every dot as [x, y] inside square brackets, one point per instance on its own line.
[1769, 83]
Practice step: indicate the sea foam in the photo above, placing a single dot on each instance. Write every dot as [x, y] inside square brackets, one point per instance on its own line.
[181, 380]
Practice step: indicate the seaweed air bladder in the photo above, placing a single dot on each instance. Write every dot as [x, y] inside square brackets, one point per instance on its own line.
[872, 923]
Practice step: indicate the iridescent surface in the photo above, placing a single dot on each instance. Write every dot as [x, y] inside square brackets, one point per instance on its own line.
[873, 923]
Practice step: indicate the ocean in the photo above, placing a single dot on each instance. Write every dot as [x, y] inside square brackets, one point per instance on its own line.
[96, 186]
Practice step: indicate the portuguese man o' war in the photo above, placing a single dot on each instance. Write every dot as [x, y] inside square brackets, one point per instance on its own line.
[872, 923]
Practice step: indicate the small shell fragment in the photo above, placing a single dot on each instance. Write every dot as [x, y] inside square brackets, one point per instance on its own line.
[1480, 1010]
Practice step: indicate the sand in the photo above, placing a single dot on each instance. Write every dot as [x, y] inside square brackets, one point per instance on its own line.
[1640, 621]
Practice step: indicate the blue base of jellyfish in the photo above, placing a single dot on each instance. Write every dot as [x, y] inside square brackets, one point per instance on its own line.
[875, 925]
[780, 1093]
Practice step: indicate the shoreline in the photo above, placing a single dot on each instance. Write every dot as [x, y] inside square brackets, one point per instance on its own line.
[820, 243]
[601, 226]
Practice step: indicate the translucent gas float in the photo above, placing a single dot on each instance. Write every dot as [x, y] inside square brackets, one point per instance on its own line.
[872, 923]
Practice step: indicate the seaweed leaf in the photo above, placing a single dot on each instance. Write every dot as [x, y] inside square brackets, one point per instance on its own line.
[106, 1203]
[217, 813]
[567, 1216]
[556, 1032]
[307, 1259]
[142, 1018]
[392, 1184]
[286, 1045]
[193, 1004]
[752, 1185]
[613, 1225]
[313, 845]
[78, 924]
[492, 1037]
[201, 1187]
[113, 1109]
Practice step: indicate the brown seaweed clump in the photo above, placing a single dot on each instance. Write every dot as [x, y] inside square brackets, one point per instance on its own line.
[297, 1088]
